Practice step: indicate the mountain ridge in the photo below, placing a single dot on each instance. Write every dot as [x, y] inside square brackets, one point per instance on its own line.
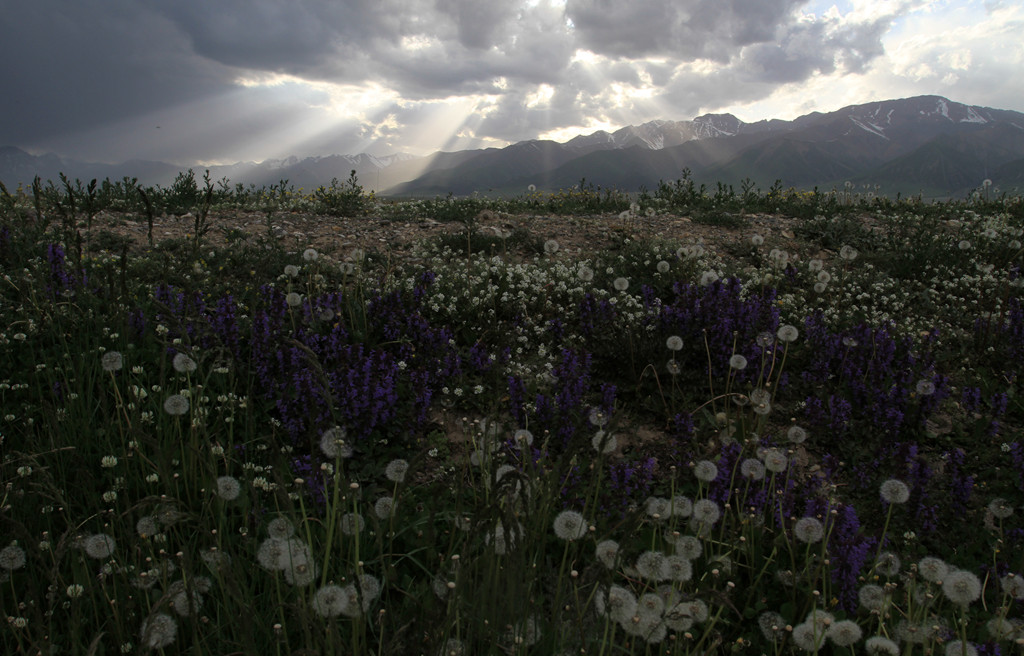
[893, 146]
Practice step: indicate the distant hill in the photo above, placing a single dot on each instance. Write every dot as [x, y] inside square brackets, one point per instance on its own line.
[925, 144]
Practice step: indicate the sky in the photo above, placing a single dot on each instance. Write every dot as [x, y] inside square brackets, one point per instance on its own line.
[222, 81]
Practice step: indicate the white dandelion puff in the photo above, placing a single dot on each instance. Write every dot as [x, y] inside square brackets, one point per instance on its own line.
[569, 525]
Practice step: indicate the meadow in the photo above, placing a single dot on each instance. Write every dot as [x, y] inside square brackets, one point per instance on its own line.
[784, 442]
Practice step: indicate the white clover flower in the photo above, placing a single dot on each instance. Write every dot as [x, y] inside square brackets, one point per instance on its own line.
[108, 462]
[570, 525]
[895, 491]
[111, 361]
[75, 590]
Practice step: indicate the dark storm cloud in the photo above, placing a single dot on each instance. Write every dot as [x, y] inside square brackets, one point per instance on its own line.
[680, 29]
[86, 67]
[75, 65]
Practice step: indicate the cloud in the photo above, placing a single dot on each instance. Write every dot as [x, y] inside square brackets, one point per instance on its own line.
[250, 79]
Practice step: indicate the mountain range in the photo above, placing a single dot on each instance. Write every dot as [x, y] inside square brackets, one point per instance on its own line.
[926, 145]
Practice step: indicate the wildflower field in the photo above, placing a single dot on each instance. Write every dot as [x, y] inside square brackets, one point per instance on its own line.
[789, 440]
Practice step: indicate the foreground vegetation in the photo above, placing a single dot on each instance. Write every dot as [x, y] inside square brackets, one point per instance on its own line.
[495, 448]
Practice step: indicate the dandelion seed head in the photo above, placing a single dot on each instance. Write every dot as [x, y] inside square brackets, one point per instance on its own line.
[183, 364]
[848, 253]
[650, 605]
[112, 361]
[570, 526]
[787, 333]
[310, 255]
[844, 633]
[894, 491]
[607, 551]
[796, 434]
[333, 443]
[871, 596]
[775, 461]
[961, 587]
[932, 569]
[551, 247]
[663, 266]
[925, 387]
[653, 565]
[680, 569]
[352, 524]
[396, 470]
[881, 646]
[689, 547]
[604, 442]
[330, 601]
[1000, 508]
[753, 469]
[99, 546]
[808, 530]
[620, 284]
[291, 270]
[158, 631]
[176, 405]
[706, 511]
[888, 564]
[960, 648]
[808, 636]
[293, 299]
[228, 488]
[281, 528]
[12, 557]
[738, 362]
[384, 507]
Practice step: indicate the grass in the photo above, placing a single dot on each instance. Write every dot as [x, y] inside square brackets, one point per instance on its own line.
[493, 447]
